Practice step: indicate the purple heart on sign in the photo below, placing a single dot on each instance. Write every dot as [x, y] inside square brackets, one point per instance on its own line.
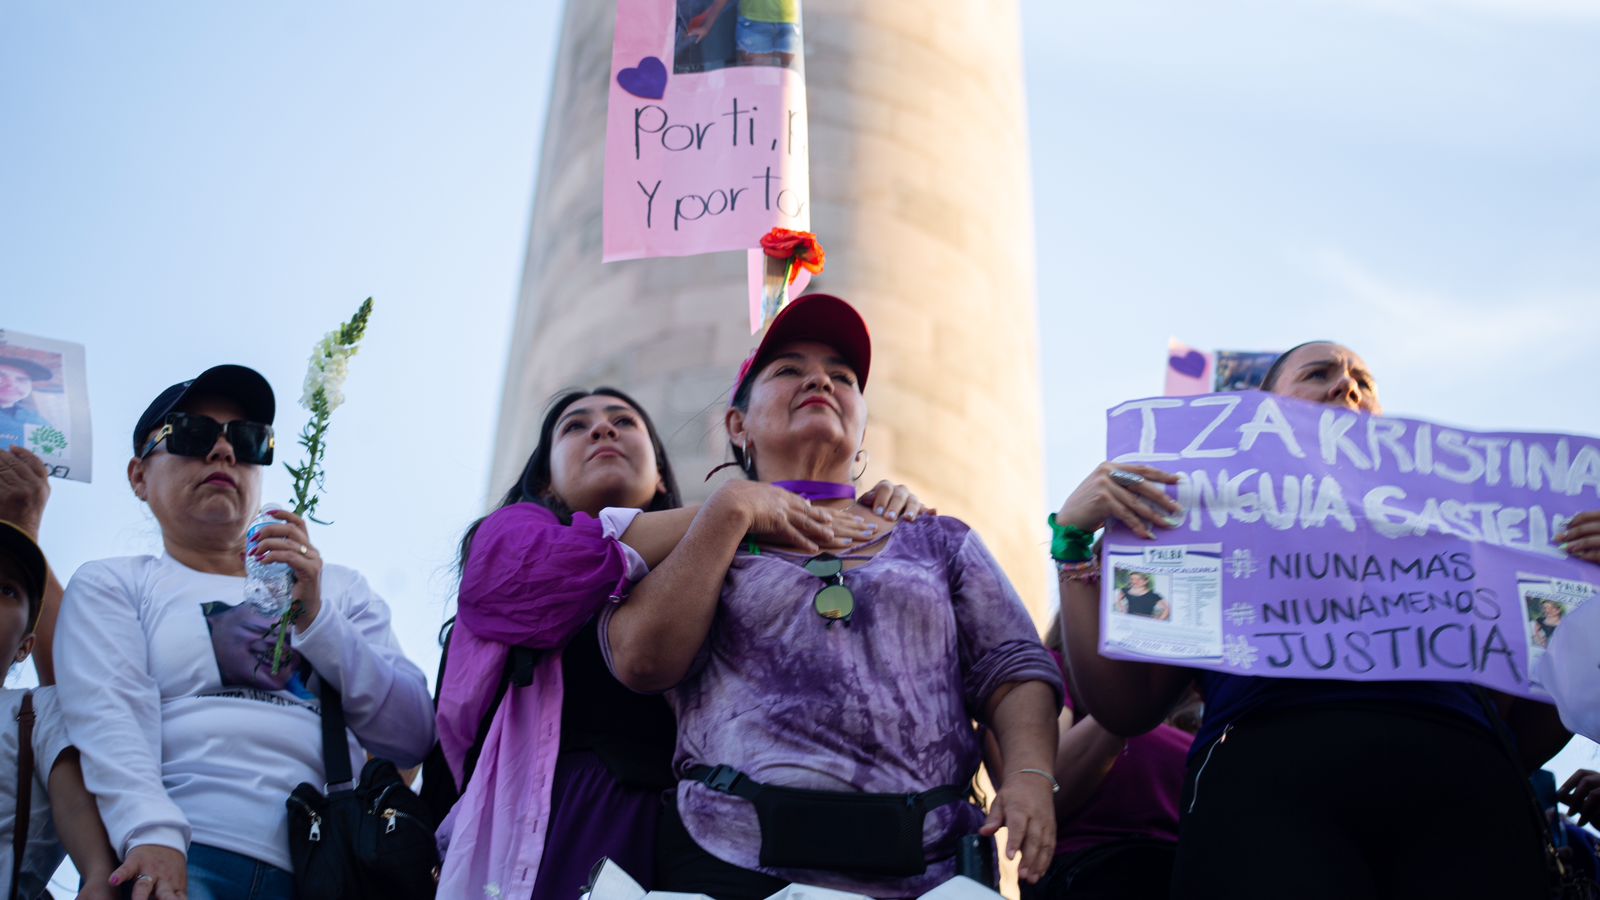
[648, 79]
[1192, 364]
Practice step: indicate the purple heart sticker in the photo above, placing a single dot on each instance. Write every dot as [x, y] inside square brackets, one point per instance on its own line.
[648, 79]
[1192, 364]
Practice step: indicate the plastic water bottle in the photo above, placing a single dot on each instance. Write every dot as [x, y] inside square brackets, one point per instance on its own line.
[267, 585]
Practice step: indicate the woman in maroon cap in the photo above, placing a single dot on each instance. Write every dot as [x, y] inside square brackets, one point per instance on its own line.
[824, 697]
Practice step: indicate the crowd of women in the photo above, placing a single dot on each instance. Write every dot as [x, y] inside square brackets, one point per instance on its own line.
[785, 683]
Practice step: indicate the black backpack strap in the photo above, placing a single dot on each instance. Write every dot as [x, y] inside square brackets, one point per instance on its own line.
[335, 742]
[439, 789]
[518, 672]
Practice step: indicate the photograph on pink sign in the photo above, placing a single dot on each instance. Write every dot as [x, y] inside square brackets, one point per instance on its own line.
[718, 34]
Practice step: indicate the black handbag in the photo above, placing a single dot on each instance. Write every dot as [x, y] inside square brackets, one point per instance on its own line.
[359, 841]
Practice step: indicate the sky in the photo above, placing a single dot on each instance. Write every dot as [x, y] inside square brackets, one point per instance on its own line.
[186, 183]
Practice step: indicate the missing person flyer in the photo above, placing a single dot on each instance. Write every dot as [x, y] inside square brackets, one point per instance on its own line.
[44, 402]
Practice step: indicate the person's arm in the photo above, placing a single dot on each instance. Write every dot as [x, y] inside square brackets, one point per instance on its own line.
[1128, 698]
[1084, 757]
[112, 708]
[1085, 753]
[651, 640]
[1537, 727]
[78, 823]
[531, 581]
[701, 25]
[653, 535]
[385, 696]
[1010, 682]
[1022, 717]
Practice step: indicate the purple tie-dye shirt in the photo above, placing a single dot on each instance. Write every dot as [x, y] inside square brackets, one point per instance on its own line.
[882, 706]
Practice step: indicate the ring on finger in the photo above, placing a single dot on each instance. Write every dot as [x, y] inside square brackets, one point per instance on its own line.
[145, 877]
[1126, 479]
[304, 550]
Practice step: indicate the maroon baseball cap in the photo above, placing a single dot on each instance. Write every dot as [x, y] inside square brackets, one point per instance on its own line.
[822, 318]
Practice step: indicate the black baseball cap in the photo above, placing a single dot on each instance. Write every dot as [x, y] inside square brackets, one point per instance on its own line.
[242, 385]
[16, 544]
[35, 371]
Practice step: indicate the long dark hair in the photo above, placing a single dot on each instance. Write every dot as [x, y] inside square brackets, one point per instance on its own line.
[533, 485]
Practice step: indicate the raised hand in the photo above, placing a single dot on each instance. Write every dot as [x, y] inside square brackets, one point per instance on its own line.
[1581, 537]
[1130, 494]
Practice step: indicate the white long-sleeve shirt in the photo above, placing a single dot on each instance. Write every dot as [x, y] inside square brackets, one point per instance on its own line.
[165, 684]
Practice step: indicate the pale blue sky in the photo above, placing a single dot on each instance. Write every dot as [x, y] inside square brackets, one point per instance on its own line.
[184, 183]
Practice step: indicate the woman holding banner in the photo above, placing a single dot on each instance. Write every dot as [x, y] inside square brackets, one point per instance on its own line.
[824, 696]
[1318, 788]
[559, 765]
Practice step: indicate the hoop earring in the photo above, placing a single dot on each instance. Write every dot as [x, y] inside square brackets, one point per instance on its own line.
[862, 457]
[749, 464]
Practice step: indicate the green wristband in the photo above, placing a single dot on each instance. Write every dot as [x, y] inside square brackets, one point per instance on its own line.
[1069, 543]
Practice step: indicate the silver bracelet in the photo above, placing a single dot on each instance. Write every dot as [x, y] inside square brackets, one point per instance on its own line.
[1055, 786]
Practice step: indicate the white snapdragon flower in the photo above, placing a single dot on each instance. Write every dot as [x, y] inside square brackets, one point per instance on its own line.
[328, 367]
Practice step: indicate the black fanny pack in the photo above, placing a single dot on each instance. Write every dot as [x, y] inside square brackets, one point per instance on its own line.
[841, 831]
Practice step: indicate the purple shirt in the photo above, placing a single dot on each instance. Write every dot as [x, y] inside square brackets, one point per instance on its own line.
[882, 706]
[1138, 798]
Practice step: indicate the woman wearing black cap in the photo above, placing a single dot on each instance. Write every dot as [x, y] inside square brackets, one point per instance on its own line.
[1321, 788]
[192, 753]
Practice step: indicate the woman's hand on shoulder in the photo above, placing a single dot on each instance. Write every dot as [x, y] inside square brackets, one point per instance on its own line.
[776, 516]
[894, 502]
[1581, 537]
[1130, 494]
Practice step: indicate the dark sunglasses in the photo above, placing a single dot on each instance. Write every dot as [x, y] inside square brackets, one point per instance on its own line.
[835, 602]
[187, 434]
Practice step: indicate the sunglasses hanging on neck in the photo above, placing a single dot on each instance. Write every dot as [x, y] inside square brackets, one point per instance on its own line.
[191, 435]
[835, 602]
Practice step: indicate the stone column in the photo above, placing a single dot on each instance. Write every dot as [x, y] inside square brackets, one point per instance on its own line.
[920, 193]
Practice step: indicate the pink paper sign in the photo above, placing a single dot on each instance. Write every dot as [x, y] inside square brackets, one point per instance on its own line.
[1191, 371]
[706, 145]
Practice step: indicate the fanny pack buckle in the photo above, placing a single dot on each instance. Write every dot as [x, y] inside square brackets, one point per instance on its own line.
[723, 778]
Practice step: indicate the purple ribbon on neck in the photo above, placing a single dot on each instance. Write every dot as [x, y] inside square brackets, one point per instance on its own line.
[819, 490]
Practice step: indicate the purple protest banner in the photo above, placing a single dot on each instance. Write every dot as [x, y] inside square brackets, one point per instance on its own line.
[1316, 542]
